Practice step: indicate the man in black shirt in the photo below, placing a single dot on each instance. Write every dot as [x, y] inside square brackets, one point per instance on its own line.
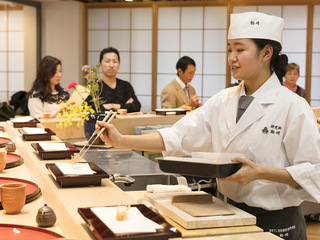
[117, 93]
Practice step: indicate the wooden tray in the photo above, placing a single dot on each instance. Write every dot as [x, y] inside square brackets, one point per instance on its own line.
[102, 232]
[37, 136]
[55, 154]
[4, 141]
[162, 201]
[31, 123]
[13, 160]
[32, 189]
[26, 232]
[201, 205]
[77, 180]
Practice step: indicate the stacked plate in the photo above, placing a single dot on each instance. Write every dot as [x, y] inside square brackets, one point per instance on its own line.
[32, 189]
[13, 160]
[4, 141]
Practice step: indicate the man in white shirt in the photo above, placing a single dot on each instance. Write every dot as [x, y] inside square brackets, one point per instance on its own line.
[179, 93]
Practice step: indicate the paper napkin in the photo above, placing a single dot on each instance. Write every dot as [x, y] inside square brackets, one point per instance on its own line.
[30, 130]
[77, 169]
[135, 222]
[50, 146]
[21, 119]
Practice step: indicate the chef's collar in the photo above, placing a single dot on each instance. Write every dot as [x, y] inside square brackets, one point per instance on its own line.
[182, 84]
[267, 92]
[242, 89]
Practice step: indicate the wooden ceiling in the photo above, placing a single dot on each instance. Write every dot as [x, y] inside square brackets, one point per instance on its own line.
[104, 1]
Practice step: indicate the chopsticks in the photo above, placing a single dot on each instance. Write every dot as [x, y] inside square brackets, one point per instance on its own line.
[98, 131]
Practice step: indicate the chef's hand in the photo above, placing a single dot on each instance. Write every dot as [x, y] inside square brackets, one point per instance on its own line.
[110, 135]
[246, 174]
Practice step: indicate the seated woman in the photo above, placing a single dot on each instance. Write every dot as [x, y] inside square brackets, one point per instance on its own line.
[46, 92]
[291, 78]
[117, 93]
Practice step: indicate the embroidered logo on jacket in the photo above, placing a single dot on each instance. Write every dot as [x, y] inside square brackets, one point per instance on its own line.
[274, 129]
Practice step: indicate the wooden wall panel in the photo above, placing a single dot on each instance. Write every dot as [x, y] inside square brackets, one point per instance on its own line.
[230, 4]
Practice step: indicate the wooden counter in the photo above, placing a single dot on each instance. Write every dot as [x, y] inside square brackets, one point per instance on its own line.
[30, 210]
[124, 123]
[66, 201]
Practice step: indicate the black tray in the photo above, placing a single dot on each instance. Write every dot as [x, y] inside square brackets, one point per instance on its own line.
[31, 123]
[37, 136]
[187, 167]
[102, 232]
[77, 180]
[55, 154]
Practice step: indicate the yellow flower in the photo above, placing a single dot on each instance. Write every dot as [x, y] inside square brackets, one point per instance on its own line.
[72, 112]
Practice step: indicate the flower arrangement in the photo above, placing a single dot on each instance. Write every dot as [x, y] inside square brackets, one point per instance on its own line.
[93, 86]
[72, 112]
[68, 113]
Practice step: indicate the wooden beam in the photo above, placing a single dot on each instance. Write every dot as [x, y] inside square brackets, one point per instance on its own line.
[9, 8]
[154, 57]
[309, 51]
[228, 69]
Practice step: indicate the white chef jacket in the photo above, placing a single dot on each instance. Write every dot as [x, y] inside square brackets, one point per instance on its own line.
[277, 130]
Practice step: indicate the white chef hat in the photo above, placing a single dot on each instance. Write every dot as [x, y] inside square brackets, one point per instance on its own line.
[255, 25]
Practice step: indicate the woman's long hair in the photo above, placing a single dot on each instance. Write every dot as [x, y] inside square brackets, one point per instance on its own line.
[279, 62]
[46, 70]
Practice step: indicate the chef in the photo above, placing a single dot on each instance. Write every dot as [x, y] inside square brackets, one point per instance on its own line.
[273, 127]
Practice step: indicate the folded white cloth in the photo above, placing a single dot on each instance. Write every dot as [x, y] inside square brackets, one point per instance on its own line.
[31, 130]
[21, 119]
[50, 146]
[158, 188]
[135, 222]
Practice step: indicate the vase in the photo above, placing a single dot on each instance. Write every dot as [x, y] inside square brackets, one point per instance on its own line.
[90, 127]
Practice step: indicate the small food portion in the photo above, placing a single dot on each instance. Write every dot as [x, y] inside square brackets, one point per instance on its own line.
[74, 159]
[122, 212]
[96, 133]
